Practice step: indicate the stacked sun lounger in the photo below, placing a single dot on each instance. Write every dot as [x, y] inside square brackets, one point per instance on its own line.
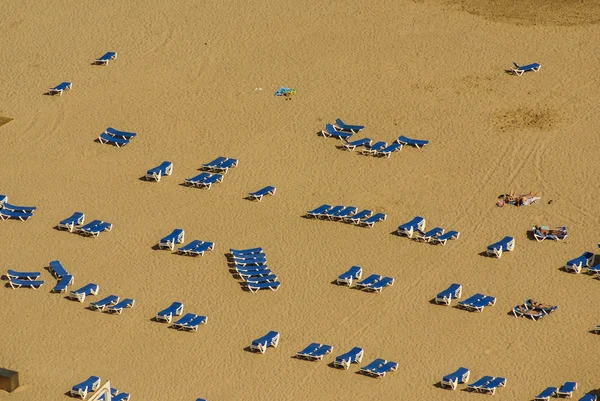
[89, 385]
[541, 233]
[156, 173]
[60, 273]
[9, 211]
[533, 310]
[445, 297]
[115, 137]
[112, 304]
[250, 265]
[177, 236]
[452, 380]
[271, 339]
[187, 322]
[477, 302]
[417, 224]
[195, 247]
[564, 391]
[506, 244]
[72, 222]
[346, 214]
[586, 259]
[372, 283]
[378, 368]
[487, 384]
[353, 356]
[83, 292]
[436, 235]
[18, 279]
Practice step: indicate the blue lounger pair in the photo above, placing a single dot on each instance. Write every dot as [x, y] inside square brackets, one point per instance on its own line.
[271, 339]
[353, 273]
[196, 247]
[23, 275]
[350, 146]
[370, 221]
[452, 380]
[442, 239]
[57, 269]
[221, 164]
[166, 315]
[409, 228]
[330, 132]
[60, 88]
[104, 59]
[477, 302]
[86, 290]
[343, 127]
[429, 235]
[257, 286]
[63, 284]
[258, 195]
[156, 173]
[315, 352]
[506, 244]
[520, 69]
[18, 283]
[375, 283]
[417, 143]
[487, 384]
[372, 149]
[575, 265]
[177, 236]
[190, 321]
[94, 228]
[203, 180]
[87, 386]
[115, 137]
[554, 233]
[378, 368]
[454, 291]
[70, 223]
[388, 150]
[355, 355]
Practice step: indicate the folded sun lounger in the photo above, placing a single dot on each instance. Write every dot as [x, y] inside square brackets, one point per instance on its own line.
[166, 315]
[566, 390]
[96, 230]
[57, 269]
[417, 143]
[341, 126]
[546, 394]
[155, 173]
[506, 244]
[177, 236]
[104, 302]
[59, 89]
[18, 283]
[442, 239]
[329, 131]
[344, 361]
[353, 273]
[119, 306]
[368, 281]
[370, 221]
[103, 60]
[80, 294]
[409, 228]
[63, 283]
[87, 386]
[520, 69]
[258, 195]
[452, 380]
[23, 275]
[445, 297]
[271, 339]
[104, 139]
[115, 133]
[76, 219]
[356, 143]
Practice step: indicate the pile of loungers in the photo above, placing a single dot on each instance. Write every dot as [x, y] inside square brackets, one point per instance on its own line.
[91, 384]
[218, 167]
[250, 265]
[187, 322]
[415, 229]
[8, 211]
[586, 259]
[115, 137]
[346, 214]
[506, 244]
[194, 248]
[533, 310]
[373, 283]
[74, 223]
[541, 233]
[565, 391]
[476, 303]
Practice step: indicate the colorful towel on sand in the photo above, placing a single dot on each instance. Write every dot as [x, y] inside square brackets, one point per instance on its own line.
[285, 91]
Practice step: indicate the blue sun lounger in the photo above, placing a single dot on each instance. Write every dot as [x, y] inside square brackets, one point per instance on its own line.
[197, 179]
[588, 397]
[194, 323]
[212, 164]
[575, 265]
[186, 249]
[566, 390]
[368, 368]
[350, 146]
[271, 339]
[317, 212]
[23, 275]
[103, 60]
[380, 285]
[491, 386]
[119, 306]
[199, 249]
[344, 213]
[388, 150]
[82, 389]
[344, 361]
[104, 302]
[258, 261]
[417, 143]
[409, 228]
[76, 219]
[86, 290]
[452, 380]
[262, 279]
[329, 131]
[225, 165]
[166, 315]
[208, 181]
[6, 214]
[258, 195]
[353, 273]
[249, 251]
[57, 269]
[520, 69]
[445, 297]
[331, 212]
[14, 208]
[315, 352]
[480, 304]
[59, 89]
[156, 173]
[382, 370]
[18, 283]
[442, 239]
[546, 394]
[63, 284]
[357, 217]
[506, 244]
[370, 221]
[371, 149]
[119, 134]
[3, 199]
[477, 384]
[122, 396]
[88, 226]
[185, 319]
[177, 236]
[255, 287]
[469, 301]
[308, 350]
[429, 235]
[249, 275]
[368, 281]
[341, 126]
[104, 139]
[96, 230]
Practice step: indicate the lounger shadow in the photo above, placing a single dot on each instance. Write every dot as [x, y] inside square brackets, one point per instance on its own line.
[484, 254]
[439, 385]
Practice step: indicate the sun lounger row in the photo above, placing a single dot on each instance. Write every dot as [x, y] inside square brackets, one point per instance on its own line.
[156, 173]
[487, 384]
[533, 310]
[566, 390]
[189, 321]
[92, 384]
[586, 259]
[541, 233]
[477, 302]
[250, 265]
[506, 244]
[347, 214]
[115, 137]
[203, 180]
[373, 283]
[8, 211]
[60, 88]
[112, 304]
[220, 164]
[445, 297]
[92, 229]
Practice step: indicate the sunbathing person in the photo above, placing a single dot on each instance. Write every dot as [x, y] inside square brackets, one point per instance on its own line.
[545, 230]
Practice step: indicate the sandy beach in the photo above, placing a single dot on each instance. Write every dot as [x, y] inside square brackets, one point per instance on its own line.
[195, 80]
